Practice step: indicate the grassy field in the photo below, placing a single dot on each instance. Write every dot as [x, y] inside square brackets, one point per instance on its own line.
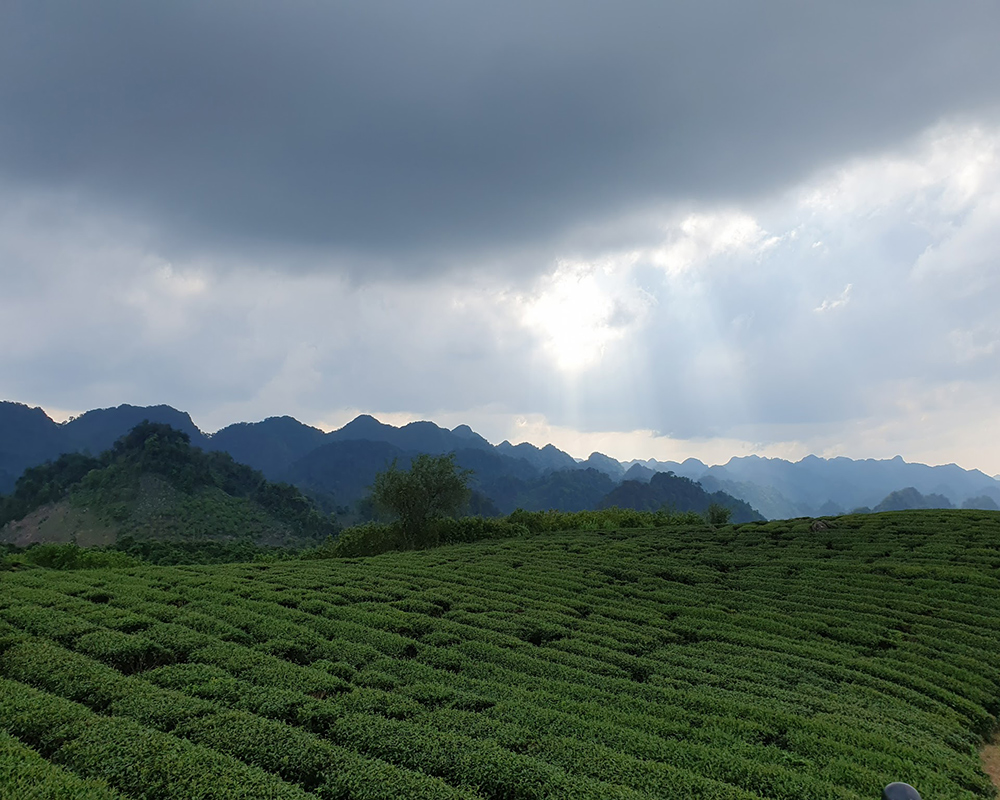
[757, 661]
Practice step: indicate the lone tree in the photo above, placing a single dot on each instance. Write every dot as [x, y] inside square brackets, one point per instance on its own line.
[718, 514]
[432, 487]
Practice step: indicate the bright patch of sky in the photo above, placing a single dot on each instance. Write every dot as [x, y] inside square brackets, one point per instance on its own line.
[580, 309]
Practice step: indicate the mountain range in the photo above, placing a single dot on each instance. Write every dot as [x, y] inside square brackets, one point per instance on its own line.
[336, 468]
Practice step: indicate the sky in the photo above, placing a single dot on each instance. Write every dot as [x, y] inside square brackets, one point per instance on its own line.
[655, 230]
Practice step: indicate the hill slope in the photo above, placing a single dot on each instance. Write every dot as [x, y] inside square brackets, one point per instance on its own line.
[666, 490]
[270, 446]
[756, 661]
[154, 484]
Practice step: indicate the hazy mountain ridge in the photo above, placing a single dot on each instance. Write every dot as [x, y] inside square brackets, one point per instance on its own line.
[812, 482]
[330, 467]
[545, 459]
[336, 469]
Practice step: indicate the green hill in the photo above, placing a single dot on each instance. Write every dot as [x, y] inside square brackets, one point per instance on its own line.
[765, 660]
[153, 485]
[666, 490]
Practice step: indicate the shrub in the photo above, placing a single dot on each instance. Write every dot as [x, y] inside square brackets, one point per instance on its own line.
[373, 538]
[25, 774]
[40, 720]
[70, 556]
[102, 689]
[605, 519]
[125, 652]
[474, 529]
[368, 539]
[146, 763]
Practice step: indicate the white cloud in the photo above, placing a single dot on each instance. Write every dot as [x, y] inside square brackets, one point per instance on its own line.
[839, 301]
[698, 238]
[942, 172]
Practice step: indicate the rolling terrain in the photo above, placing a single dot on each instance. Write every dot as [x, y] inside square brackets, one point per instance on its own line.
[766, 660]
[337, 468]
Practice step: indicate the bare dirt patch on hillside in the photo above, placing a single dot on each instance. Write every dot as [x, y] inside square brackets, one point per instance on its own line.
[58, 524]
[991, 761]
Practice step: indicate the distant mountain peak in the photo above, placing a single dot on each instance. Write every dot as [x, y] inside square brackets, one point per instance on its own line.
[606, 464]
[422, 423]
[362, 423]
[98, 429]
[285, 419]
[362, 419]
[546, 459]
[421, 436]
[639, 472]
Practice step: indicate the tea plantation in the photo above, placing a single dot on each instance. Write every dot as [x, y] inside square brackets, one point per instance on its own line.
[765, 660]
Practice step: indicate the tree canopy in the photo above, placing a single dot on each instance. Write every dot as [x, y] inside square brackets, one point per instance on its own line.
[432, 487]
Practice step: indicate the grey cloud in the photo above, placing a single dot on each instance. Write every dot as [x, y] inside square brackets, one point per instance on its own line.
[400, 137]
[173, 177]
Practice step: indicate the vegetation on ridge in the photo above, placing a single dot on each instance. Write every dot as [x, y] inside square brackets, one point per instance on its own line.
[423, 502]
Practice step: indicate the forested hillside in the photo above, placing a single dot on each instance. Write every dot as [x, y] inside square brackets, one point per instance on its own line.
[666, 490]
[153, 484]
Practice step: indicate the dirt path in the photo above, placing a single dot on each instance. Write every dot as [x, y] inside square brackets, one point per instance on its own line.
[991, 761]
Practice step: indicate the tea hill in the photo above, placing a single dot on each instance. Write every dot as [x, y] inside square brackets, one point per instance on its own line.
[740, 662]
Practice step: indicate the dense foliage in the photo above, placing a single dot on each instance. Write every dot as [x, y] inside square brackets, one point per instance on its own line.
[373, 538]
[758, 661]
[666, 490]
[129, 551]
[607, 519]
[47, 483]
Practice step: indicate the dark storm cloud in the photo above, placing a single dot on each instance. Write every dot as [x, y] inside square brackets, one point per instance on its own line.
[438, 129]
